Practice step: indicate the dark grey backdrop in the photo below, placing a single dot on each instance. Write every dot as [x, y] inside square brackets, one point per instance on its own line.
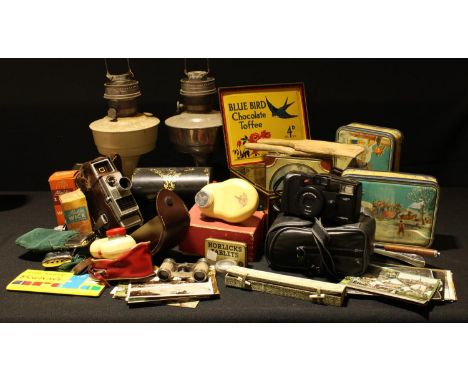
[46, 106]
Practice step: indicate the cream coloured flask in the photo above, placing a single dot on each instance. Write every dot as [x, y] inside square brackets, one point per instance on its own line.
[115, 244]
[233, 200]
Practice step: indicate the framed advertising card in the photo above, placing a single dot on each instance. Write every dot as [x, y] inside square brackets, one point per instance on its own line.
[254, 112]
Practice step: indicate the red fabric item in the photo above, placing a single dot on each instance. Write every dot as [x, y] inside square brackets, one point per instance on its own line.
[137, 263]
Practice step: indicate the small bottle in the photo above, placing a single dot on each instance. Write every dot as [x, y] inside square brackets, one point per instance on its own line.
[111, 247]
[233, 200]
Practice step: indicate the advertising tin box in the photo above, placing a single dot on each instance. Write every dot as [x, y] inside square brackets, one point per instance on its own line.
[382, 146]
[404, 205]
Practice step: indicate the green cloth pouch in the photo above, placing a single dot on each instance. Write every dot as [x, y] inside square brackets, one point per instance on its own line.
[42, 240]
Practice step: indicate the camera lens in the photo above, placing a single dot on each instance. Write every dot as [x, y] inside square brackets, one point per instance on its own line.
[308, 200]
[125, 183]
[311, 202]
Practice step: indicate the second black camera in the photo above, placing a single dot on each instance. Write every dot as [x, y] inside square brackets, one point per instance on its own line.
[336, 200]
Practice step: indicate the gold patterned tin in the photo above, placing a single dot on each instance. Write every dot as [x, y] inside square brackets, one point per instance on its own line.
[227, 249]
[382, 145]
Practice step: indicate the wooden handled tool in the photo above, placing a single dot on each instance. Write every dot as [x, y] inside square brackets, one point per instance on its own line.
[408, 258]
[427, 252]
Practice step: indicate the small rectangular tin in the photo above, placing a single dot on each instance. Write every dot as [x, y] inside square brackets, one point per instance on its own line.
[227, 249]
[404, 205]
[382, 146]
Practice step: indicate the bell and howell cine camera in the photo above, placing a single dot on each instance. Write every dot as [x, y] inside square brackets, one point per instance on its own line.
[334, 199]
[111, 203]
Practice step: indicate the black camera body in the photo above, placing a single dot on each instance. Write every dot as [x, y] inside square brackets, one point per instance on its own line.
[109, 194]
[335, 199]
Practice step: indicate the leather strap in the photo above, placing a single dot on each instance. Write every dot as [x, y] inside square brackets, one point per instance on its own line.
[169, 227]
[321, 239]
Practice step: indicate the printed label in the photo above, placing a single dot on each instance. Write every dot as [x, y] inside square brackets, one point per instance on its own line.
[226, 249]
[75, 215]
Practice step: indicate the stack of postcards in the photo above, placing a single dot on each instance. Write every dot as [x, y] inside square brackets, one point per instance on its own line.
[176, 292]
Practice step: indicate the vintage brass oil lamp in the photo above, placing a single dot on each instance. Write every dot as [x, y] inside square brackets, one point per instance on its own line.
[124, 130]
[194, 130]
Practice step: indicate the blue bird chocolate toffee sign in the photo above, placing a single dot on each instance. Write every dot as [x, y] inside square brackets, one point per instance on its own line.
[254, 112]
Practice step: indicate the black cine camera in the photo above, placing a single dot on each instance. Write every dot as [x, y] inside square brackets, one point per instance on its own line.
[335, 199]
[108, 193]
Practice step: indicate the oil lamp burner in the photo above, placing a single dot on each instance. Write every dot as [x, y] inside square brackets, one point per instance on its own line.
[124, 130]
[194, 130]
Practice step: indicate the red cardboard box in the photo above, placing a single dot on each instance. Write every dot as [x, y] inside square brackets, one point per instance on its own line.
[251, 232]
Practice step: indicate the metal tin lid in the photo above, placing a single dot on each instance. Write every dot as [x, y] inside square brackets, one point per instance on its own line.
[203, 198]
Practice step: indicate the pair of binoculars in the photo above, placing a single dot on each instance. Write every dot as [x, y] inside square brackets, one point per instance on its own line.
[197, 271]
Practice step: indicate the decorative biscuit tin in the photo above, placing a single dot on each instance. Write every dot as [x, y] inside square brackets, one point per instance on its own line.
[382, 146]
[404, 205]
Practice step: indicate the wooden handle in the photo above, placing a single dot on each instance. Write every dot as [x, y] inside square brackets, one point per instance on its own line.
[411, 249]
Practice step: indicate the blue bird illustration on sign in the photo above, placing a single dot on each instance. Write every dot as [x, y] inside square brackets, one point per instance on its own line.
[281, 111]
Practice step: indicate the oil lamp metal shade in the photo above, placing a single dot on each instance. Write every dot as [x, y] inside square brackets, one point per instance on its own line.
[194, 131]
[195, 134]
